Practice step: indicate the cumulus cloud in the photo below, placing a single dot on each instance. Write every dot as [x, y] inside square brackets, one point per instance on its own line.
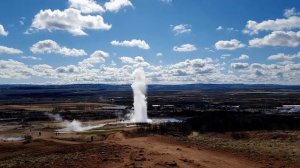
[8, 50]
[191, 68]
[239, 65]
[116, 5]
[292, 22]
[283, 57]
[277, 39]
[132, 43]
[11, 69]
[50, 46]
[293, 67]
[68, 69]
[43, 70]
[187, 71]
[185, 48]
[2, 31]
[95, 58]
[192, 63]
[137, 61]
[290, 12]
[86, 6]
[229, 45]
[70, 20]
[181, 29]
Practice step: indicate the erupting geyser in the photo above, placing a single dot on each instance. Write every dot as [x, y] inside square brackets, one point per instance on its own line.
[139, 88]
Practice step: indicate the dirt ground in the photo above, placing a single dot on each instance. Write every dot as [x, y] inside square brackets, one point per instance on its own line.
[119, 150]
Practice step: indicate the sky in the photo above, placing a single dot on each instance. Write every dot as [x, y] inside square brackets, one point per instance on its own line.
[174, 41]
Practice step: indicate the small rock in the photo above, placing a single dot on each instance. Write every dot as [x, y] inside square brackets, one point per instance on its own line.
[171, 163]
[141, 158]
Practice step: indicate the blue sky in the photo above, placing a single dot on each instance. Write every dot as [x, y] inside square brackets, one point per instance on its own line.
[174, 41]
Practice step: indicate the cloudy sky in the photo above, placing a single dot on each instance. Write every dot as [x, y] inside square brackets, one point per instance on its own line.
[174, 41]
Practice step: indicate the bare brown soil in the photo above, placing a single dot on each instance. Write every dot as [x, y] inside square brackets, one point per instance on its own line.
[119, 150]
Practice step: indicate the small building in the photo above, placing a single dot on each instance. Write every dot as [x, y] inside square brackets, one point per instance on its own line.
[168, 107]
[156, 107]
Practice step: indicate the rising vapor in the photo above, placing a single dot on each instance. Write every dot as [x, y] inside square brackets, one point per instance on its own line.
[139, 88]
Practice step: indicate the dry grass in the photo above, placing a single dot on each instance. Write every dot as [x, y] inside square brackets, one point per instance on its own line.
[276, 145]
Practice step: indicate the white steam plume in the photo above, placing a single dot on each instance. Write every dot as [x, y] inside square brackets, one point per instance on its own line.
[74, 126]
[139, 88]
[55, 117]
[11, 138]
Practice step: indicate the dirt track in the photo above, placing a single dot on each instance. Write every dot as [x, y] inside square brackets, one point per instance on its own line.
[161, 151]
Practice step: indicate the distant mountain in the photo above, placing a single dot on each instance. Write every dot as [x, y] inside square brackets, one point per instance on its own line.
[106, 87]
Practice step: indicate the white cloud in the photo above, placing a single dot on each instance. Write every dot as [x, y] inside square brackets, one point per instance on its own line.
[70, 20]
[232, 29]
[208, 49]
[132, 43]
[2, 31]
[11, 69]
[50, 46]
[188, 71]
[283, 57]
[243, 57]
[137, 61]
[159, 54]
[290, 12]
[116, 5]
[185, 48]
[22, 21]
[86, 6]
[224, 56]
[229, 45]
[68, 69]
[8, 50]
[229, 29]
[219, 28]
[166, 1]
[239, 65]
[277, 39]
[192, 63]
[127, 60]
[293, 67]
[290, 23]
[96, 58]
[181, 28]
[190, 68]
[31, 57]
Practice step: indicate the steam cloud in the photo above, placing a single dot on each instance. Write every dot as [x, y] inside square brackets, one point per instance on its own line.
[55, 117]
[139, 88]
[74, 126]
[11, 138]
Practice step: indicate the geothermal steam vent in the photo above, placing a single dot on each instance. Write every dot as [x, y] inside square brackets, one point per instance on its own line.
[139, 87]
